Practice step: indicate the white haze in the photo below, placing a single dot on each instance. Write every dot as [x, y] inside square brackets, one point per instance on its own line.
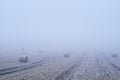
[59, 25]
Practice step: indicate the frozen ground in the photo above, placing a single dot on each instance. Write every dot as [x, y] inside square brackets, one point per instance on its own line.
[57, 67]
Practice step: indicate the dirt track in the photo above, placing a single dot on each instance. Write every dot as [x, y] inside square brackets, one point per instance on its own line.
[84, 67]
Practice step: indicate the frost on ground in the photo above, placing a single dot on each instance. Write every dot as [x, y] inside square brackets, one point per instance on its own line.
[76, 67]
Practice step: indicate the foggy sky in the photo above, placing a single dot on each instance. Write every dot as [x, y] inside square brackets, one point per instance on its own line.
[60, 24]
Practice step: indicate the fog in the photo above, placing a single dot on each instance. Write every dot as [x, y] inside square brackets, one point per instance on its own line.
[64, 25]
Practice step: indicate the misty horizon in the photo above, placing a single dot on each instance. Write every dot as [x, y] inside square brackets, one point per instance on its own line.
[60, 25]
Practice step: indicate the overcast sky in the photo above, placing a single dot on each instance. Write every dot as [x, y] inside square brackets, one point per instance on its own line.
[60, 24]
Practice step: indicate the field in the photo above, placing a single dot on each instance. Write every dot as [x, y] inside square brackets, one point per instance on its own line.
[57, 67]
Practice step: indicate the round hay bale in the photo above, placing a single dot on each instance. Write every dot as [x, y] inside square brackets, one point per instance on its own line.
[23, 59]
[114, 55]
[67, 55]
